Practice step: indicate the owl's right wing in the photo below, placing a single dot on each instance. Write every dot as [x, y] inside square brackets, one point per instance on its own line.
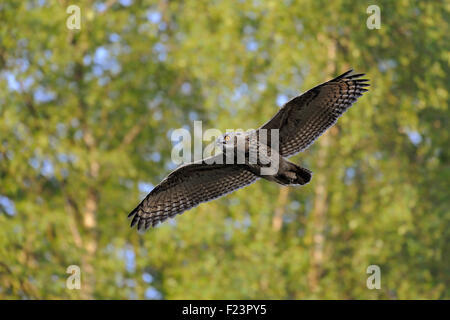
[304, 118]
[187, 187]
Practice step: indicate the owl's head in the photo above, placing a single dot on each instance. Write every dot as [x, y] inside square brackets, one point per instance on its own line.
[229, 139]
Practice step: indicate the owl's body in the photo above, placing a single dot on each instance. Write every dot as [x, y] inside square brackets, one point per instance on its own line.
[251, 149]
[293, 129]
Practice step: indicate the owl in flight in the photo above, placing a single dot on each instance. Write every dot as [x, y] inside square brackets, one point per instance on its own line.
[298, 124]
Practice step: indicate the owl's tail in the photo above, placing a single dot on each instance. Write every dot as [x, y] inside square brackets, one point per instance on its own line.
[302, 175]
[291, 174]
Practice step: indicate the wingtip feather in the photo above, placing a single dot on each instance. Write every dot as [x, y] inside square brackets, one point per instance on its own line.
[343, 75]
[134, 221]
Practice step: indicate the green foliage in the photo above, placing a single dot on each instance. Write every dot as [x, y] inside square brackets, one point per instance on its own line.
[86, 116]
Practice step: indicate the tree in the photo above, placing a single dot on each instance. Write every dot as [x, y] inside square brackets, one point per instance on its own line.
[85, 123]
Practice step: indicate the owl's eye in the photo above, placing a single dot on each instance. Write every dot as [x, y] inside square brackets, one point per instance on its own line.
[227, 138]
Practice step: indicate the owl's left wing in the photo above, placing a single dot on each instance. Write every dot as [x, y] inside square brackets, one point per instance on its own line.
[304, 118]
[187, 187]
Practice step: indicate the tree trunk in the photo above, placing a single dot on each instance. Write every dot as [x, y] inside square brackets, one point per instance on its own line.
[320, 207]
[277, 221]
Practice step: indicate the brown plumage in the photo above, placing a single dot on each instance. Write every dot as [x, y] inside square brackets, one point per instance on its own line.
[186, 187]
[303, 119]
[300, 122]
